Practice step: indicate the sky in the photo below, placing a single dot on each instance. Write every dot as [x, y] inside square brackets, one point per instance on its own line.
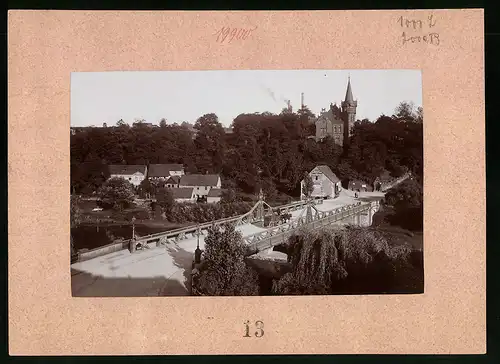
[177, 96]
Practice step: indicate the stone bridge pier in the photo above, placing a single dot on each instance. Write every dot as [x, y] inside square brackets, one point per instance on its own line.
[365, 218]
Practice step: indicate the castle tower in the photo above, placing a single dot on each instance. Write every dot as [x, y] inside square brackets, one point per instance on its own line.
[349, 112]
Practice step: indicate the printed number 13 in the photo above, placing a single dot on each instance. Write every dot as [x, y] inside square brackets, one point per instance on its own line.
[260, 329]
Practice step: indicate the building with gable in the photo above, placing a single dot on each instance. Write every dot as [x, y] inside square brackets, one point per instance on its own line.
[183, 194]
[337, 122]
[201, 183]
[214, 195]
[164, 171]
[173, 182]
[325, 183]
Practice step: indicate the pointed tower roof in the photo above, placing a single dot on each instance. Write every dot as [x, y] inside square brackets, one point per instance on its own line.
[348, 94]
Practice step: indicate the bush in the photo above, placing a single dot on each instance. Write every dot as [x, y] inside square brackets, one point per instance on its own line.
[407, 200]
[201, 213]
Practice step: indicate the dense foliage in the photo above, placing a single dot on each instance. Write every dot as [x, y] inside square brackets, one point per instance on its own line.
[116, 193]
[347, 260]
[264, 150]
[188, 212]
[224, 270]
[407, 200]
[308, 186]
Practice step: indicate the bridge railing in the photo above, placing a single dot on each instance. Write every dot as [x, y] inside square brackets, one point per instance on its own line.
[269, 238]
[204, 226]
[182, 232]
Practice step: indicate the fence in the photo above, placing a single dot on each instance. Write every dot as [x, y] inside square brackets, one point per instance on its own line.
[268, 239]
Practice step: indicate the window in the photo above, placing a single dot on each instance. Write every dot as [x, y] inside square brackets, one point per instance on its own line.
[317, 178]
[206, 188]
[130, 179]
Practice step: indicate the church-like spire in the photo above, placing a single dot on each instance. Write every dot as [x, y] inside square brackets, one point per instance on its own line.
[348, 94]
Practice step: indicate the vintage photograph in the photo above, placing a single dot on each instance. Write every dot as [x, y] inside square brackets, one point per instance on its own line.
[246, 183]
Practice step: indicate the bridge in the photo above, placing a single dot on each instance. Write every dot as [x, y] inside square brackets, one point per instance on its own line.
[163, 265]
[275, 230]
[257, 215]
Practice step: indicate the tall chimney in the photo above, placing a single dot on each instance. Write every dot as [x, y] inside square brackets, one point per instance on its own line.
[302, 100]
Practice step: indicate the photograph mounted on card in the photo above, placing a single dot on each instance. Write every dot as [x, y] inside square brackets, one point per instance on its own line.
[239, 193]
[282, 182]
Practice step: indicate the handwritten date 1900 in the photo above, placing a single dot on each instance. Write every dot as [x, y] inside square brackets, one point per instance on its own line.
[230, 34]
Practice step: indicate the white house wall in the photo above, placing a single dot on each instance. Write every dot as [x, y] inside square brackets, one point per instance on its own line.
[135, 178]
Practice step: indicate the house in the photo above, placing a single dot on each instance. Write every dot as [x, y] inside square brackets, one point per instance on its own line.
[164, 171]
[325, 183]
[173, 182]
[183, 194]
[337, 122]
[134, 173]
[359, 186]
[202, 183]
[214, 195]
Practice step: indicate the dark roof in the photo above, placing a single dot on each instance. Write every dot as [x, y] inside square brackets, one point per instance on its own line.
[174, 180]
[215, 192]
[163, 170]
[181, 192]
[328, 173]
[126, 169]
[330, 115]
[199, 180]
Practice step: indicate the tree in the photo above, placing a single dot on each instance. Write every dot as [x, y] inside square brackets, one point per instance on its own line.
[165, 199]
[117, 193]
[407, 200]
[75, 218]
[163, 123]
[146, 189]
[306, 114]
[335, 260]
[120, 123]
[420, 115]
[406, 111]
[75, 211]
[224, 270]
[308, 185]
[209, 143]
[408, 194]
[228, 196]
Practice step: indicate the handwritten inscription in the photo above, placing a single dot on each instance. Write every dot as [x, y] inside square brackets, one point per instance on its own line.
[226, 34]
[418, 30]
[260, 329]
